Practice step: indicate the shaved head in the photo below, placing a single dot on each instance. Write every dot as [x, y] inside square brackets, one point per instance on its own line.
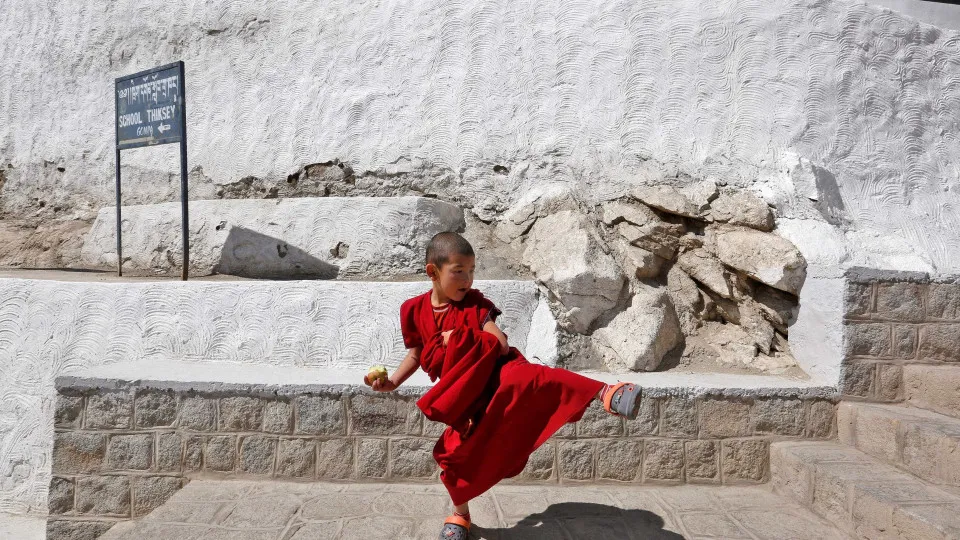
[445, 245]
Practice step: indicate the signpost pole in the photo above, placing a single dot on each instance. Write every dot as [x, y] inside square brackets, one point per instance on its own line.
[184, 199]
[119, 243]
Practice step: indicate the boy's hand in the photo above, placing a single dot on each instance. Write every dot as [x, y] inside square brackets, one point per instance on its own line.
[383, 385]
[446, 337]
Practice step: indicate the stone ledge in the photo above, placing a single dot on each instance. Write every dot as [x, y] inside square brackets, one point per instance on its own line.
[120, 432]
[269, 380]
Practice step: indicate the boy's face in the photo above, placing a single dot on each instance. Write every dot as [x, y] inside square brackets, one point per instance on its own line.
[454, 278]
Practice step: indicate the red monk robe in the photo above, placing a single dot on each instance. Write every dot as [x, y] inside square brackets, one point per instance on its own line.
[499, 409]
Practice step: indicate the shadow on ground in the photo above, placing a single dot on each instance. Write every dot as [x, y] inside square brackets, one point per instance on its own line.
[582, 521]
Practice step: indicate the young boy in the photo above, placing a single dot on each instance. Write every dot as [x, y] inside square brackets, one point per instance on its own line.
[499, 407]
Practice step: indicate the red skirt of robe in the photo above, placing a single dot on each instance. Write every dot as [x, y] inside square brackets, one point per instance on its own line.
[499, 408]
[530, 403]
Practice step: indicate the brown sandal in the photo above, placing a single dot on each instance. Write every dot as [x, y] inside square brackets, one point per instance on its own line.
[455, 528]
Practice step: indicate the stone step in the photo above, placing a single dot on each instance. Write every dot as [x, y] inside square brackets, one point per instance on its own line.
[933, 387]
[325, 237]
[862, 495]
[918, 441]
[291, 511]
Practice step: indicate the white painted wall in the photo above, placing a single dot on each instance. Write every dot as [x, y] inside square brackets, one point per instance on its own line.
[49, 327]
[598, 93]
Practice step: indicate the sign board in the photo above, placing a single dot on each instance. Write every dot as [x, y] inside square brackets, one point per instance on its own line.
[150, 107]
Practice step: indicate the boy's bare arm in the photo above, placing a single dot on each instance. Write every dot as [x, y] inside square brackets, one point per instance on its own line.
[492, 328]
[403, 372]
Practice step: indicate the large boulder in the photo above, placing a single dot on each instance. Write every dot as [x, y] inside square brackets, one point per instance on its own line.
[765, 257]
[638, 338]
[565, 253]
[742, 208]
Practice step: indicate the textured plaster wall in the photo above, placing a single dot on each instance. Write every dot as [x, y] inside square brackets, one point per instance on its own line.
[850, 104]
[48, 328]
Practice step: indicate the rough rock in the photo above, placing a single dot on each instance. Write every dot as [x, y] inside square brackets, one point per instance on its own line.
[766, 257]
[667, 199]
[727, 343]
[777, 307]
[732, 345]
[536, 203]
[742, 208]
[687, 299]
[756, 325]
[639, 337]
[566, 254]
[706, 269]
[659, 237]
[616, 211]
[638, 261]
[701, 195]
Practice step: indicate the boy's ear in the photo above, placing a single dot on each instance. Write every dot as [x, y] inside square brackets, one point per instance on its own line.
[432, 270]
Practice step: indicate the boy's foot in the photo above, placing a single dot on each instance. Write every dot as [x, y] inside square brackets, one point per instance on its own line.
[455, 528]
[622, 399]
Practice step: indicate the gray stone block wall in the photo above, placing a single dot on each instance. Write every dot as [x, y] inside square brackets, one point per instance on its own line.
[118, 454]
[895, 320]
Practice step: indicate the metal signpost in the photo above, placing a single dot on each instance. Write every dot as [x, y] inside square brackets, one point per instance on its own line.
[150, 110]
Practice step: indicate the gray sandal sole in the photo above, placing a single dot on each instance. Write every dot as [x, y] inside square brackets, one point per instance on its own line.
[451, 531]
[626, 401]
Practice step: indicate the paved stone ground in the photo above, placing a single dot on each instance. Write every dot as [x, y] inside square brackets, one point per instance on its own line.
[235, 510]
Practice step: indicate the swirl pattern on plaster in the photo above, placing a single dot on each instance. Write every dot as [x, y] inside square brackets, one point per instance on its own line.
[48, 328]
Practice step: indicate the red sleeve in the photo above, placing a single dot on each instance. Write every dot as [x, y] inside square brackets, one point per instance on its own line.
[408, 323]
[486, 310]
